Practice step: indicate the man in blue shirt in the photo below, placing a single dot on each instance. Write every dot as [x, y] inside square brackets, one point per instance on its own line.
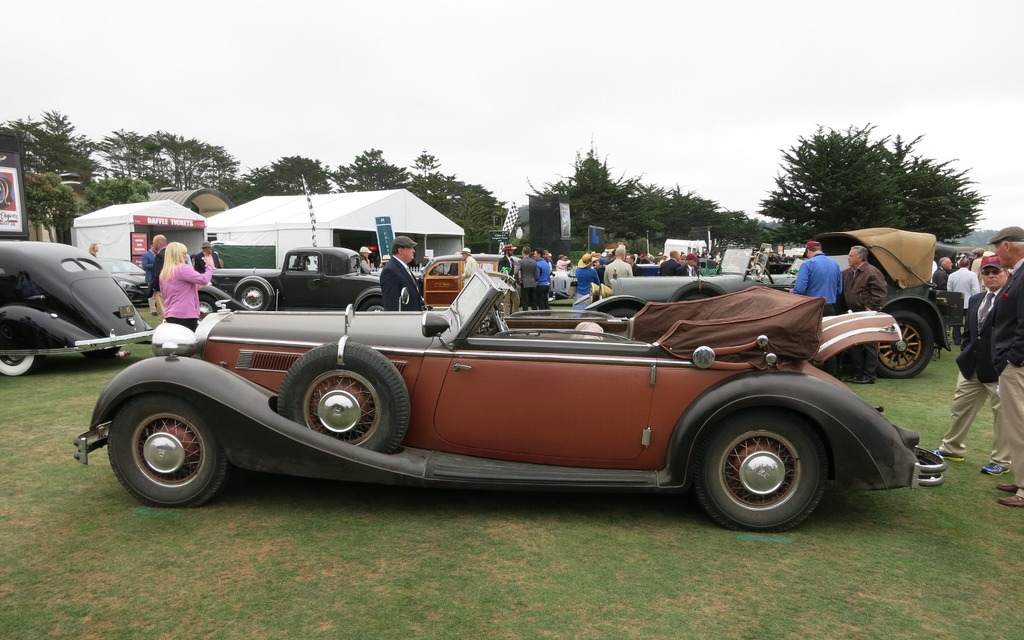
[821, 277]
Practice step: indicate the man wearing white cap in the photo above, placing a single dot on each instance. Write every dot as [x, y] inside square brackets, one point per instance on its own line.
[470, 267]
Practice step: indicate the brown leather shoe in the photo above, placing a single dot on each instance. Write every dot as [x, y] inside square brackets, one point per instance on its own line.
[1008, 487]
[1012, 501]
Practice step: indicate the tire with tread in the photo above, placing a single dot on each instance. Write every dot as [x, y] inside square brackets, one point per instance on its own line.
[761, 471]
[165, 453]
[367, 396]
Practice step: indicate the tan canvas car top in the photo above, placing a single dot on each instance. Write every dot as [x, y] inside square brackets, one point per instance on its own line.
[906, 256]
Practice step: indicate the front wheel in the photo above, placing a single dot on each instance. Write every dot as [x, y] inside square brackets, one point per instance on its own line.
[207, 305]
[760, 471]
[255, 294]
[920, 345]
[165, 453]
[19, 365]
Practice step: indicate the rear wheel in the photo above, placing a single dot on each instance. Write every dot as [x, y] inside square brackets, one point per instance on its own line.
[19, 365]
[165, 453]
[760, 471]
[920, 340]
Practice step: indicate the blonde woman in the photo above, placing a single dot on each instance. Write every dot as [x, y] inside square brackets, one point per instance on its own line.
[180, 283]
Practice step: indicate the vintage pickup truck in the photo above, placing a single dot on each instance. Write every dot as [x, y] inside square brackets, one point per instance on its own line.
[310, 278]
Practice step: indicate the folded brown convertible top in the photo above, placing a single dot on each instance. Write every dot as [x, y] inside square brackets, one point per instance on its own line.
[791, 322]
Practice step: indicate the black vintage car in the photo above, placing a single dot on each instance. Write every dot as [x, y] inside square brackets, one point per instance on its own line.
[320, 278]
[130, 277]
[58, 299]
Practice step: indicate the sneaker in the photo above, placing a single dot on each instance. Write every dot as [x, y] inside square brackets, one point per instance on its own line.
[948, 456]
[994, 469]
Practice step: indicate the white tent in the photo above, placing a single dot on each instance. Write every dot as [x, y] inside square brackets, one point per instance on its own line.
[284, 221]
[124, 230]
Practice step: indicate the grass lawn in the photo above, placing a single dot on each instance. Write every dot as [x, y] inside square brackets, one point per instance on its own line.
[280, 557]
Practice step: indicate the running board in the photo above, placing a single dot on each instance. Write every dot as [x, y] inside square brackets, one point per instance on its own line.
[448, 468]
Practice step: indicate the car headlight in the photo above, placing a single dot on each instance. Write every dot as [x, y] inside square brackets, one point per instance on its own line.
[124, 285]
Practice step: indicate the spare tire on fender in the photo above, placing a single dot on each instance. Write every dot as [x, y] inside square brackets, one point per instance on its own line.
[363, 401]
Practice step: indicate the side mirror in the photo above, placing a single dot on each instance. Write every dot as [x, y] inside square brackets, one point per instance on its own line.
[434, 324]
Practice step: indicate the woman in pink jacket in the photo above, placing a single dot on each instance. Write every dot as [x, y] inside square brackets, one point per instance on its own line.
[180, 283]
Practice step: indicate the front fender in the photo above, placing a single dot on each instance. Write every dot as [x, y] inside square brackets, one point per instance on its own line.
[368, 293]
[254, 436]
[926, 310]
[219, 294]
[866, 450]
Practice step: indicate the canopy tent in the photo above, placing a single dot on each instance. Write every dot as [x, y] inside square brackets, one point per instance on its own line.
[341, 219]
[125, 230]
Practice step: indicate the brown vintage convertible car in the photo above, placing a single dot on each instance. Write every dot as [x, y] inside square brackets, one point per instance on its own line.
[717, 396]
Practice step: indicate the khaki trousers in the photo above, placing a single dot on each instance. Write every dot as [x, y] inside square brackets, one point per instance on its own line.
[968, 399]
[1011, 418]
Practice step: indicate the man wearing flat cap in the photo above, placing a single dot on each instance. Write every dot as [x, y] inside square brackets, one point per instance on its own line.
[1008, 357]
[396, 276]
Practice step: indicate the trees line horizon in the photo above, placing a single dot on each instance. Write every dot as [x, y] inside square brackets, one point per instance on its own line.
[832, 180]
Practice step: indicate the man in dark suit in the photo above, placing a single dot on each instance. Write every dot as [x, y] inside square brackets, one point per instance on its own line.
[977, 379]
[1008, 357]
[671, 263]
[396, 276]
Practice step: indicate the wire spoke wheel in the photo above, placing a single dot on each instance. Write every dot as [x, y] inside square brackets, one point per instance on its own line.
[344, 405]
[762, 471]
[165, 453]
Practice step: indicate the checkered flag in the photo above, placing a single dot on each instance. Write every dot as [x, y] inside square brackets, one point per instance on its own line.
[511, 220]
[309, 201]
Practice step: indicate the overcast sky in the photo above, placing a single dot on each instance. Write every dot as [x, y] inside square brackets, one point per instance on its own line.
[705, 94]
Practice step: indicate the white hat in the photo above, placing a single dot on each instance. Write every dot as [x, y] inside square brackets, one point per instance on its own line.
[363, 250]
[466, 250]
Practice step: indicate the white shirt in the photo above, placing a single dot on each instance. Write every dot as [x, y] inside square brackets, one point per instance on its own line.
[964, 281]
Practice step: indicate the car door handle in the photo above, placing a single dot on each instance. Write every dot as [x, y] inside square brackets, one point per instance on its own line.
[458, 366]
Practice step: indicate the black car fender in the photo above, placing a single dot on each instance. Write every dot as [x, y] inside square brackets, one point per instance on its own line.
[219, 294]
[254, 436]
[368, 293]
[926, 310]
[866, 451]
[27, 328]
